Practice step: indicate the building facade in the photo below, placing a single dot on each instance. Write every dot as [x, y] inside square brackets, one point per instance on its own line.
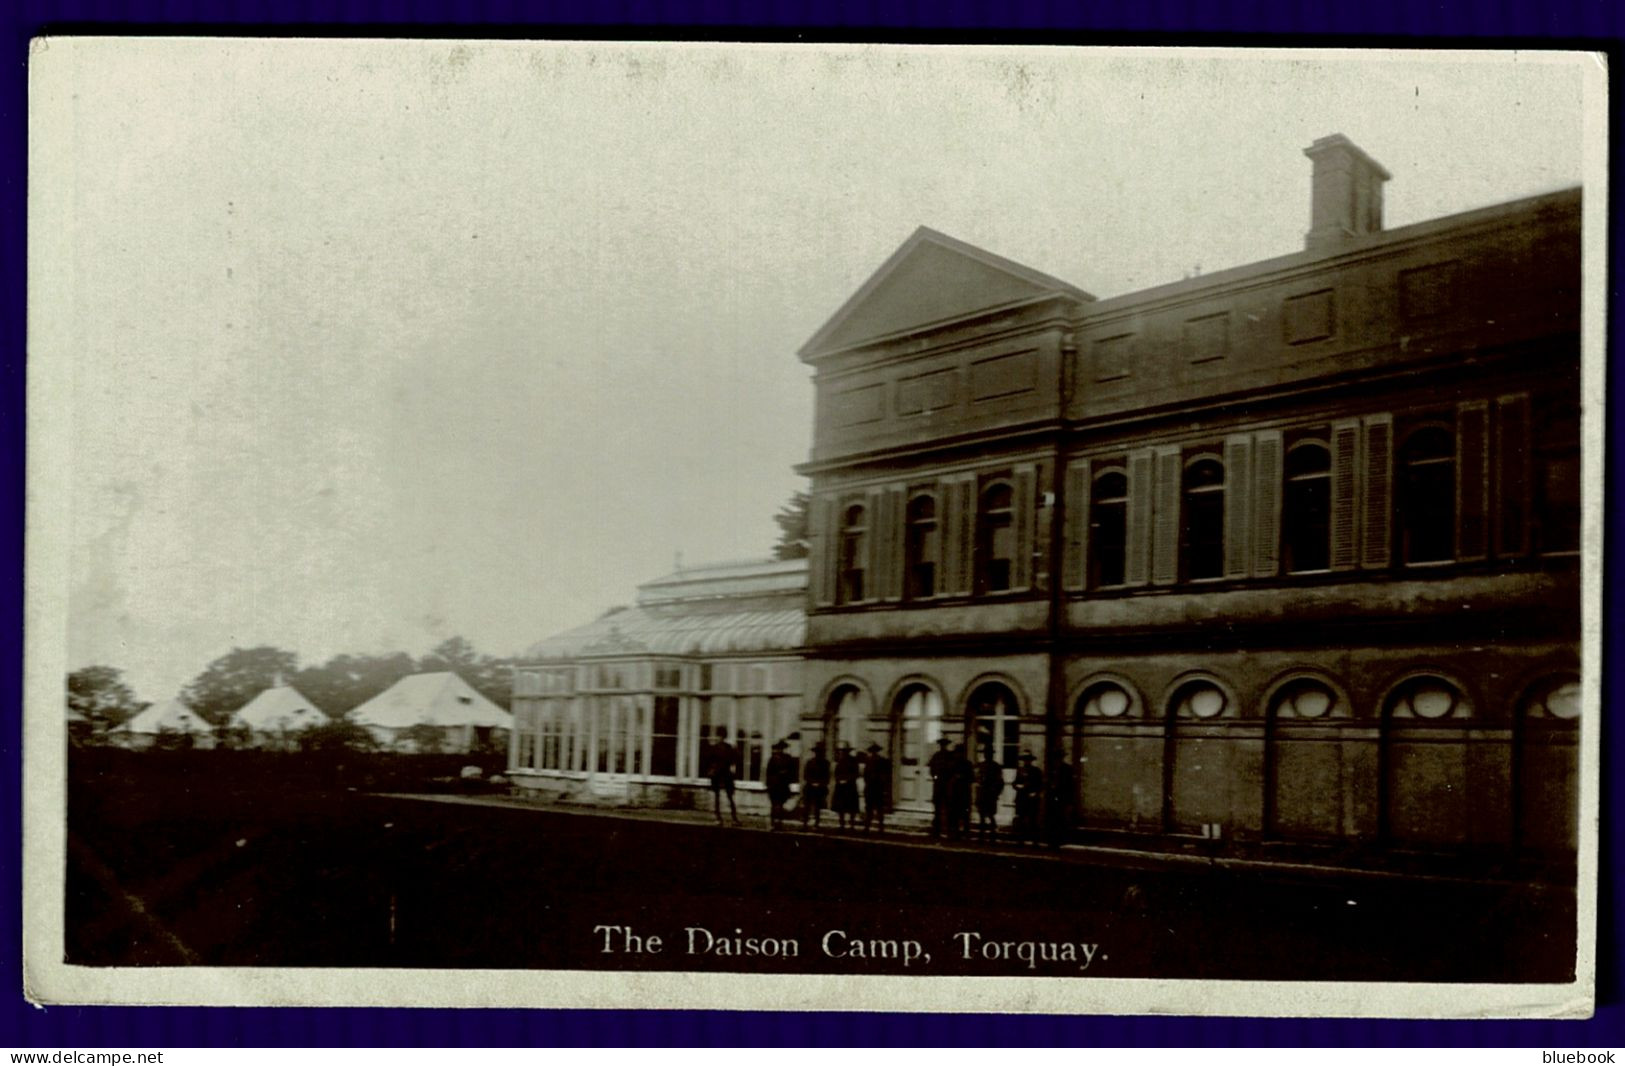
[1284, 552]
[1288, 551]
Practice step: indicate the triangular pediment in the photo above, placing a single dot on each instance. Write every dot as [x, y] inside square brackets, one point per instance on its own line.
[932, 279]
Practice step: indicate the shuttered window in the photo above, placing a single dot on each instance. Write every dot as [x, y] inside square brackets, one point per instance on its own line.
[1512, 474]
[820, 551]
[1266, 502]
[1237, 531]
[950, 532]
[1076, 526]
[1557, 478]
[1425, 497]
[854, 554]
[1165, 517]
[1021, 562]
[1345, 498]
[1202, 531]
[1108, 530]
[1306, 512]
[924, 547]
[1378, 492]
[1472, 480]
[1137, 551]
[996, 539]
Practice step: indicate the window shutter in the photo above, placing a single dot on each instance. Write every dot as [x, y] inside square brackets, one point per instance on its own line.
[1472, 479]
[1137, 561]
[820, 557]
[1076, 519]
[968, 502]
[1165, 535]
[896, 522]
[1266, 502]
[1379, 480]
[1345, 493]
[1512, 474]
[948, 534]
[1021, 567]
[1238, 450]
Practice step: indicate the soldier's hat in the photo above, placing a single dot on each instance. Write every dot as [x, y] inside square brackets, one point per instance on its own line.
[779, 745]
[819, 746]
[943, 742]
[874, 747]
[1027, 756]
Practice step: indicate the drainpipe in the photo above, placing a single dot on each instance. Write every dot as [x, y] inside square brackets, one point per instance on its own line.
[1055, 699]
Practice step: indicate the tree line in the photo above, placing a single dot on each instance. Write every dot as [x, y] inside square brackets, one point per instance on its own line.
[338, 686]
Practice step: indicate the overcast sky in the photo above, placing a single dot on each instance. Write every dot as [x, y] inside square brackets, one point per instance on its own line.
[378, 343]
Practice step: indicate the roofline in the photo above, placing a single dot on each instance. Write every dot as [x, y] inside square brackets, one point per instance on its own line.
[922, 234]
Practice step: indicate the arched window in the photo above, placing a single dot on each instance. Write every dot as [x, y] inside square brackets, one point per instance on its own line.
[1304, 697]
[1428, 698]
[919, 724]
[848, 713]
[1557, 480]
[1108, 529]
[924, 547]
[1202, 540]
[1105, 700]
[1306, 508]
[1558, 699]
[1426, 497]
[995, 539]
[1200, 699]
[996, 724]
[854, 534]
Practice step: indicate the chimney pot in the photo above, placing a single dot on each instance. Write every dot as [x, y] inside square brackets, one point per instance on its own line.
[1346, 193]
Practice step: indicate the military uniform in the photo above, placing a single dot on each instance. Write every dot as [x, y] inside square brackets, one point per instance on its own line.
[815, 785]
[940, 768]
[876, 787]
[1029, 788]
[779, 776]
[989, 787]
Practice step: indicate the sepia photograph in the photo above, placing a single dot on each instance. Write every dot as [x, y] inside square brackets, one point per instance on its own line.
[814, 526]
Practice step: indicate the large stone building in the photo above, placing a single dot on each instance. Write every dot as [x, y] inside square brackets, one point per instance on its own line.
[1288, 551]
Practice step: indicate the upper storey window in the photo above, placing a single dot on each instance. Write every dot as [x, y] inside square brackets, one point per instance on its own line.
[854, 553]
[995, 539]
[1306, 508]
[1425, 502]
[1202, 535]
[924, 547]
[1108, 529]
[1557, 479]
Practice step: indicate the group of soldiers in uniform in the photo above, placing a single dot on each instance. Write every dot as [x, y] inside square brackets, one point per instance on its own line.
[1043, 802]
[870, 772]
[862, 783]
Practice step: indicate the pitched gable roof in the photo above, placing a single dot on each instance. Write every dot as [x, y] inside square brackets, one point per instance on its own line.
[932, 278]
[442, 699]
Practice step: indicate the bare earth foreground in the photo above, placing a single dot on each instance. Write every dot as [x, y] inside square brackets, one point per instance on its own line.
[224, 858]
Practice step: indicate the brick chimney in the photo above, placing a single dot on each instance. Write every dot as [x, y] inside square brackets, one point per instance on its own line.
[1346, 200]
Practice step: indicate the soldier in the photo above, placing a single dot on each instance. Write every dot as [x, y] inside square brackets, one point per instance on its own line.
[844, 802]
[876, 787]
[779, 776]
[989, 787]
[1059, 793]
[1029, 789]
[814, 786]
[938, 768]
[722, 768]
